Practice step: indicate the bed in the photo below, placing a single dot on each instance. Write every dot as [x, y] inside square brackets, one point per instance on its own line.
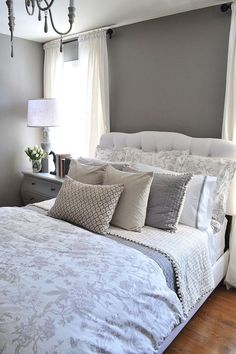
[62, 288]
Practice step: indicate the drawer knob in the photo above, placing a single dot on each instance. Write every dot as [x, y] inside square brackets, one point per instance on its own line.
[33, 183]
[53, 189]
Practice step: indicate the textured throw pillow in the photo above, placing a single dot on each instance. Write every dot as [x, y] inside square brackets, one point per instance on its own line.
[86, 205]
[221, 168]
[86, 173]
[166, 200]
[130, 212]
[199, 199]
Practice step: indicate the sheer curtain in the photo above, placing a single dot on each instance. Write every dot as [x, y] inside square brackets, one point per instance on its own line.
[94, 88]
[82, 87]
[229, 131]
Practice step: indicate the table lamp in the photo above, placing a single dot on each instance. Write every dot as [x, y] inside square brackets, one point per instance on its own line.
[44, 113]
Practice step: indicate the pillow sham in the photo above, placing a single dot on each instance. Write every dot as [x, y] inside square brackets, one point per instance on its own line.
[86, 205]
[166, 200]
[199, 199]
[131, 210]
[221, 168]
[86, 173]
[167, 159]
[106, 154]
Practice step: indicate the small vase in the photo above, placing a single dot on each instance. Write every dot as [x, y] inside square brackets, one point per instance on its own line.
[36, 166]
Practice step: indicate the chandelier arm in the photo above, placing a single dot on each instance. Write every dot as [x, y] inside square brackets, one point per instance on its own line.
[47, 5]
[54, 28]
[27, 8]
[11, 22]
[30, 7]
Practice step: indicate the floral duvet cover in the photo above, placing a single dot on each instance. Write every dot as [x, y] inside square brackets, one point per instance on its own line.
[65, 290]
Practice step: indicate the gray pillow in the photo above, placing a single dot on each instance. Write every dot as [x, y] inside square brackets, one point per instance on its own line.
[89, 206]
[166, 201]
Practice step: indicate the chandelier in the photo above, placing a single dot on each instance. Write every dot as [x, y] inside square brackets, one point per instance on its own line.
[43, 6]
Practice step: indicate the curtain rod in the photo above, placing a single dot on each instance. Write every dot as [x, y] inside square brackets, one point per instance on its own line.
[109, 32]
[74, 37]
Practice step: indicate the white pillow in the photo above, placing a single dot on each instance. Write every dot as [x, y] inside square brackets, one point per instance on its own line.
[199, 199]
[199, 202]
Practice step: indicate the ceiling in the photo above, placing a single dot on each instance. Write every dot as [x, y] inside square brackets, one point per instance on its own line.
[95, 13]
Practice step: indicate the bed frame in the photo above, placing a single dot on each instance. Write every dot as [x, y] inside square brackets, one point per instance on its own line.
[156, 141]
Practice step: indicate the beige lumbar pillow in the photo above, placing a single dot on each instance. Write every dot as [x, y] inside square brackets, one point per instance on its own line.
[131, 209]
[86, 205]
[86, 173]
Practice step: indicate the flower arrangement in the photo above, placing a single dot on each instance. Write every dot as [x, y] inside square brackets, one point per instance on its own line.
[35, 153]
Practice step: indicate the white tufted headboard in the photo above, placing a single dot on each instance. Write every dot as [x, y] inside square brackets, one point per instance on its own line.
[156, 141]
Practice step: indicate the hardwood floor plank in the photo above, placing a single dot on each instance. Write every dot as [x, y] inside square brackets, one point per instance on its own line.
[213, 328]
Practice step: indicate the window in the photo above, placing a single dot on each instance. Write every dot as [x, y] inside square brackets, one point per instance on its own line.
[70, 137]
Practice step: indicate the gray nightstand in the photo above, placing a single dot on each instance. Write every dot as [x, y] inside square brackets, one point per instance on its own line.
[37, 187]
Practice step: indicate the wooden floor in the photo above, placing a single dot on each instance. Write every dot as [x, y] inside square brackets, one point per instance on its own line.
[212, 330]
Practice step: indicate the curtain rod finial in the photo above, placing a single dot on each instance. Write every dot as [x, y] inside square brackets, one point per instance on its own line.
[225, 7]
[110, 32]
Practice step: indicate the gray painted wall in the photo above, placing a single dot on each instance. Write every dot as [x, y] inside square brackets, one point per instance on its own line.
[169, 74]
[20, 80]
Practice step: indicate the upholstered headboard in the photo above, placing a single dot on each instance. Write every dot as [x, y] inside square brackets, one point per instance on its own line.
[156, 141]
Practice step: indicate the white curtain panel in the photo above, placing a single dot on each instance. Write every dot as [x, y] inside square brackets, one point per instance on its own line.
[53, 83]
[53, 70]
[94, 87]
[229, 131]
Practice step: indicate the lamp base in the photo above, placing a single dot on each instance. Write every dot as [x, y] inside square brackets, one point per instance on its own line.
[46, 146]
[45, 165]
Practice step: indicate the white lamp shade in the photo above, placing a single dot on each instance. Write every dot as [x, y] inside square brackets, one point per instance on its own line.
[43, 113]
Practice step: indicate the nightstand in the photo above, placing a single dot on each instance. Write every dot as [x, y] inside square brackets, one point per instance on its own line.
[37, 187]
